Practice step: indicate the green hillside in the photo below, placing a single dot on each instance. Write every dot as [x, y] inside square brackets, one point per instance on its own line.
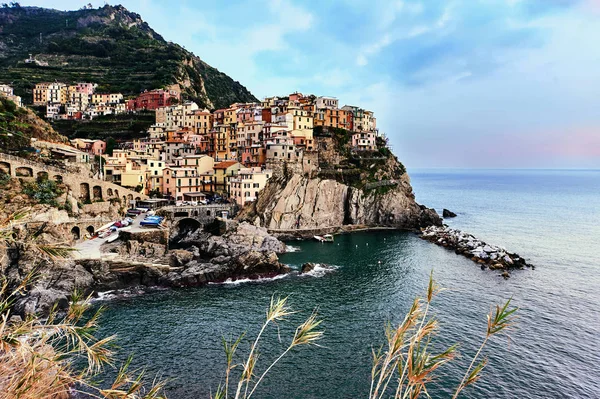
[110, 46]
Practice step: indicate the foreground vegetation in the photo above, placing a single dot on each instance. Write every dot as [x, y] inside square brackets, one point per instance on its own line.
[38, 358]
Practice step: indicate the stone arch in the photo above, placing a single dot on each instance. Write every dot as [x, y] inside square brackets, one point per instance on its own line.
[90, 230]
[124, 199]
[24, 171]
[138, 199]
[5, 168]
[186, 226]
[129, 197]
[116, 193]
[84, 192]
[97, 192]
[42, 175]
[58, 178]
[76, 232]
[109, 192]
[195, 213]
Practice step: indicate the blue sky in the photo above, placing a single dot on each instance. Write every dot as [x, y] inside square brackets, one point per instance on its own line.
[454, 83]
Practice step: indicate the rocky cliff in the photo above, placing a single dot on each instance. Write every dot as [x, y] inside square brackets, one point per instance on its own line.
[343, 188]
[139, 261]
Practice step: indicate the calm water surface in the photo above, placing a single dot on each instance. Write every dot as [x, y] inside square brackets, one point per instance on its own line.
[550, 217]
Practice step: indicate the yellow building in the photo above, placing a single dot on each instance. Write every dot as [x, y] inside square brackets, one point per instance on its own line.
[40, 94]
[154, 175]
[224, 172]
[201, 162]
[202, 122]
[133, 176]
[230, 116]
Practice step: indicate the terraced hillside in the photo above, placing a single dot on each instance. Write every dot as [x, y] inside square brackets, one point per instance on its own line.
[110, 46]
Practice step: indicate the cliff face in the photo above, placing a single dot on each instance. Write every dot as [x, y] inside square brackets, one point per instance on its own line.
[314, 203]
[370, 189]
[110, 46]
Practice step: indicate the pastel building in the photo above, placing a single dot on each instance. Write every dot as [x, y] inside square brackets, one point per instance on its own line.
[363, 141]
[223, 173]
[7, 91]
[247, 185]
[326, 102]
[178, 181]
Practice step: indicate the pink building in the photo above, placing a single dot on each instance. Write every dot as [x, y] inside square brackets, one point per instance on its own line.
[178, 181]
[362, 141]
[98, 147]
[85, 88]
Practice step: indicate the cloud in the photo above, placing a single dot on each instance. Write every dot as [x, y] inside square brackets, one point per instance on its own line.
[452, 83]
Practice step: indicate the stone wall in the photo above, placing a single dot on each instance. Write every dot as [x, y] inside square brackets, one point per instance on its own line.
[84, 188]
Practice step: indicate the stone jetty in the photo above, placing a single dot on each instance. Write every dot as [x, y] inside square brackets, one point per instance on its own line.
[487, 255]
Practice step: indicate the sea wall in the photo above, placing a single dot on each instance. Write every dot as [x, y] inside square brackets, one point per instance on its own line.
[488, 256]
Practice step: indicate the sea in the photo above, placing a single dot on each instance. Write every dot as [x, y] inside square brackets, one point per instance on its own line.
[369, 279]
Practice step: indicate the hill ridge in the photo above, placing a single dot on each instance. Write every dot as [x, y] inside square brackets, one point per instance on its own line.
[111, 46]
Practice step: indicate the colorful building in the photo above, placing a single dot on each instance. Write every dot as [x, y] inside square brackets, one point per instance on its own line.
[246, 186]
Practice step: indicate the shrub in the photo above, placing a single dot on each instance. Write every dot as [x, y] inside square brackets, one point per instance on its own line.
[43, 191]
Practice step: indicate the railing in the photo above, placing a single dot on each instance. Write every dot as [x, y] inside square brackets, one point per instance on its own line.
[35, 164]
[195, 207]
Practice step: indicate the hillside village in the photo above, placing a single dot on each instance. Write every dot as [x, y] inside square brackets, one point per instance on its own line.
[194, 155]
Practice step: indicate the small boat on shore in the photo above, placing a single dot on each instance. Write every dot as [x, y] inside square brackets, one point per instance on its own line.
[113, 237]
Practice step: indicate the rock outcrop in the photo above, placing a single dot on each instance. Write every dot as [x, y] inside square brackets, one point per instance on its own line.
[446, 213]
[337, 187]
[487, 255]
[244, 251]
[305, 202]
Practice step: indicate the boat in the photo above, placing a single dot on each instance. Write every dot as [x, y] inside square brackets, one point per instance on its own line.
[113, 237]
[152, 221]
[324, 238]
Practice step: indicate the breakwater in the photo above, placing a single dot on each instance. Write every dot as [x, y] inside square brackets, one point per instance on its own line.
[488, 256]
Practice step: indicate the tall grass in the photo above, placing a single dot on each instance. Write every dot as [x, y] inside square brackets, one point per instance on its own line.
[41, 359]
[38, 357]
[402, 368]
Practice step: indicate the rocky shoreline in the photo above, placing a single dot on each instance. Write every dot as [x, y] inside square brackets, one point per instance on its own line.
[488, 256]
[145, 261]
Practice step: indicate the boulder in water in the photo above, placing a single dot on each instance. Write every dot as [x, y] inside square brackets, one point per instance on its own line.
[448, 214]
[308, 267]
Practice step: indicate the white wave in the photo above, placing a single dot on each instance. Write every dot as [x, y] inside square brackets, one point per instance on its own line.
[290, 248]
[230, 281]
[105, 296]
[320, 270]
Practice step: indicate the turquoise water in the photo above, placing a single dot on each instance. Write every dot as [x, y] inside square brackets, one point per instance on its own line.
[550, 217]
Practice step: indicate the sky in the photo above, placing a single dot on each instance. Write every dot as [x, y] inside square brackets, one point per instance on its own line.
[453, 83]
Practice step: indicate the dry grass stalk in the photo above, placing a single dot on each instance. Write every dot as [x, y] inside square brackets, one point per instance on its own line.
[248, 381]
[37, 357]
[408, 361]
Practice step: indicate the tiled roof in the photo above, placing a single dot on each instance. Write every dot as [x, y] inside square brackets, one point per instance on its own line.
[225, 164]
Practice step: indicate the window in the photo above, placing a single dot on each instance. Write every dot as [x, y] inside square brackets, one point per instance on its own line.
[255, 185]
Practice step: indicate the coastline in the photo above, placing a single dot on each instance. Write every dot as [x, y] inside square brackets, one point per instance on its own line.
[304, 234]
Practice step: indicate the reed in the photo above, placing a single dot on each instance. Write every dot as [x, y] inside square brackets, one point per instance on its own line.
[249, 380]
